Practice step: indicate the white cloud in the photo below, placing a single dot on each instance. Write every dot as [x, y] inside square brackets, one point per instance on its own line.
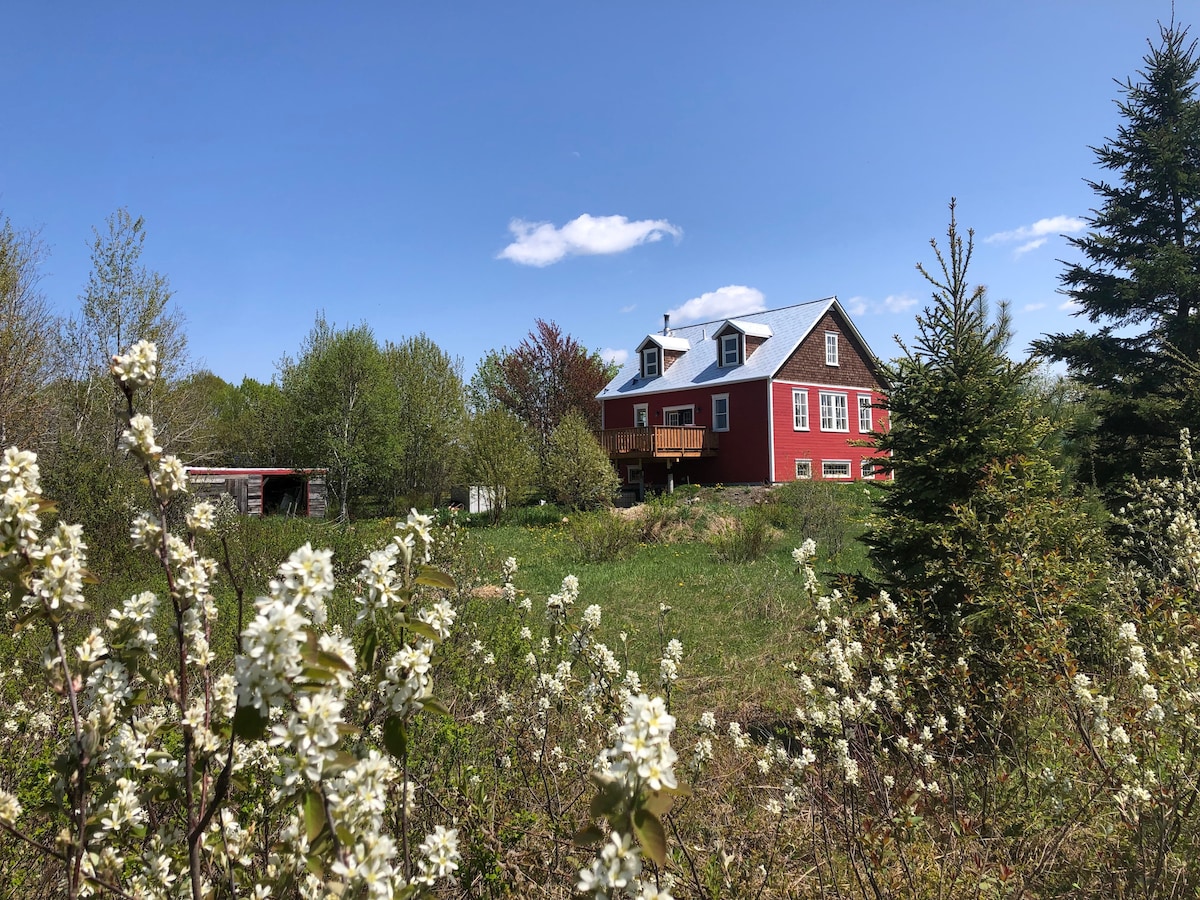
[540, 243]
[856, 306]
[1032, 245]
[630, 308]
[898, 303]
[1070, 305]
[1042, 228]
[616, 357]
[731, 300]
[1033, 307]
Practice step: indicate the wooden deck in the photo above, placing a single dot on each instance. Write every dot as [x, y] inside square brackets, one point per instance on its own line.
[658, 442]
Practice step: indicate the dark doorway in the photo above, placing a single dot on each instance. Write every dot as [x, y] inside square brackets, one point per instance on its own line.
[285, 495]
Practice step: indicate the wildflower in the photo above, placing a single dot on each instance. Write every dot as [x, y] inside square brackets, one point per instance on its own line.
[202, 517]
[10, 808]
[137, 367]
[441, 853]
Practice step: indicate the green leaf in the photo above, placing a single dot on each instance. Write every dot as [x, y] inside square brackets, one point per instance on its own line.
[431, 577]
[589, 836]
[651, 835]
[333, 661]
[314, 814]
[437, 706]
[368, 650]
[416, 626]
[249, 724]
[395, 736]
[608, 797]
[658, 803]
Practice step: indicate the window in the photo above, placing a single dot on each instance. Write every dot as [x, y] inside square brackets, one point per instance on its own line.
[641, 415]
[729, 350]
[634, 476]
[800, 410]
[867, 468]
[834, 413]
[720, 412]
[650, 362]
[804, 468]
[835, 468]
[831, 348]
[679, 415]
[864, 414]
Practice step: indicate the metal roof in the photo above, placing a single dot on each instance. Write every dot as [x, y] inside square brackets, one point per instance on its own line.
[787, 328]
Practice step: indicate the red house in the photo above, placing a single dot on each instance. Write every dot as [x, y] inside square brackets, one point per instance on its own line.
[760, 398]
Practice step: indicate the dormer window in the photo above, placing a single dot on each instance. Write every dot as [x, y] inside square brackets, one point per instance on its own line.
[730, 355]
[650, 367]
[831, 348]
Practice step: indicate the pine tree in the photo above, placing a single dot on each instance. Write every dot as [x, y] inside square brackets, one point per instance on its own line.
[957, 406]
[1140, 279]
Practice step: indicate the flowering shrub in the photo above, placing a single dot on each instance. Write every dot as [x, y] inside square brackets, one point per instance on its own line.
[172, 770]
[437, 742]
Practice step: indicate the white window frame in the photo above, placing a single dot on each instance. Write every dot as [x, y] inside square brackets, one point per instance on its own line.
[719, 398]
[641, 415]
[633, 475]
[831, 348]
[651, 360]
[730, 342]
[835, 415]
[841, 475]
[804, 470]
[690, 407]
[800, 416]
[865, 422]
[866, 469]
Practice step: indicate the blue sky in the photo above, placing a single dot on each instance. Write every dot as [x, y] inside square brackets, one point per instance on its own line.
[462, 169]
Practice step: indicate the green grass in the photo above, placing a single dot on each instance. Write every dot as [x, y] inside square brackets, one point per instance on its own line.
[739, 623]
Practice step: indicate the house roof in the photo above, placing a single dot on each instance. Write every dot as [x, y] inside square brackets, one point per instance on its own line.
[784, 329]
[753, 329]
[670, 341]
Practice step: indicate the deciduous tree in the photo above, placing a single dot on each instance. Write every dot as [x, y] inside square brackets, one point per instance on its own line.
[430, 417]
[26, 339]
[500, 457]
[123, 302]
[546, 376]
[339, 403]
[577, 468]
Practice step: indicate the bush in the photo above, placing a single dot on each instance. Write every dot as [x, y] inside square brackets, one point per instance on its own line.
[603, 536]
[744, 539]
[819, 510]
[577, 468]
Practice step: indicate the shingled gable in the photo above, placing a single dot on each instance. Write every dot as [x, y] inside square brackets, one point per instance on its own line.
[737, 340]
[665, 347]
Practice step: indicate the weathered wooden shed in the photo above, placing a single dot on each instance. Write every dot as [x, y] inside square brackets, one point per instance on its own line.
[263, 491]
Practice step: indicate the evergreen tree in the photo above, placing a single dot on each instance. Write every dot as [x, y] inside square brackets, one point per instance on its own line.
[1141, 275]
[957, 406]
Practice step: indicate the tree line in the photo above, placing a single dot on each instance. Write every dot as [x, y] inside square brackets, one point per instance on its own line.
[395, 423]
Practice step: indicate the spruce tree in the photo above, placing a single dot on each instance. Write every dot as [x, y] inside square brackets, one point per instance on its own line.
[1140, 277]
[957, 406]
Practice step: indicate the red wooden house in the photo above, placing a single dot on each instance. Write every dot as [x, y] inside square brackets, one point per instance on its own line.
[761, 398]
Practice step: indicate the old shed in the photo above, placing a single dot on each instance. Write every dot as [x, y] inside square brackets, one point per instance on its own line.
[264, 492]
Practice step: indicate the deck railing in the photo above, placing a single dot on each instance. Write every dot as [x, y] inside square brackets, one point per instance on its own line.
[659, 441]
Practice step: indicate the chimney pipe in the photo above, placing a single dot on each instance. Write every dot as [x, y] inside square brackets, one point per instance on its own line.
[666, 324]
